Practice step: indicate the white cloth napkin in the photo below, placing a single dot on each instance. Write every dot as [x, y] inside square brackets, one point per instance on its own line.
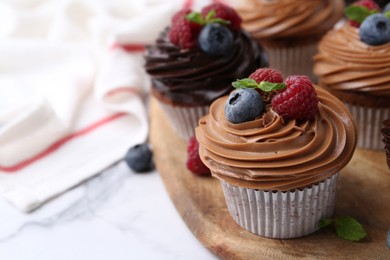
[71, 100]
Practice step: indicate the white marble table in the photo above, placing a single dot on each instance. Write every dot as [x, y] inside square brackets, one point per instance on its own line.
[116, 215]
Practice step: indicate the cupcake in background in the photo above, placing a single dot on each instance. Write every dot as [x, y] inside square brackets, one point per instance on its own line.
[277, 148]
[353, 62]
[386, 139]
[289, 30]
[194, 61]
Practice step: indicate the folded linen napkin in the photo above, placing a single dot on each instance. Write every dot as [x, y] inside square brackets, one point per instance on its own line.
[71, 90]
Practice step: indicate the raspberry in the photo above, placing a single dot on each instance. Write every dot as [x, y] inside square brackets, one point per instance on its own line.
[194, 163]
[298, 101]
[268, 75]
[224, 12]
[369, 4]
[180, 14]
[184, 33]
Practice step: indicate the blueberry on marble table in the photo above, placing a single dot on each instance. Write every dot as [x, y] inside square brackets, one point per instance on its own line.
[140, 158]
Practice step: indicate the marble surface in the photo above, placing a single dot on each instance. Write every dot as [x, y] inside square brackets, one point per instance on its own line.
[115, 215]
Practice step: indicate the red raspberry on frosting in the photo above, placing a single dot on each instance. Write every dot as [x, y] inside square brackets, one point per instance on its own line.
[181, 13]
[369, 4]
[194, 163]
[298, 101]
[224, 12]
[268, 75]
[184, 33]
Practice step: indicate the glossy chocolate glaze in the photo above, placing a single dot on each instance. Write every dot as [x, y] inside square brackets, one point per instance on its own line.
[190, 77]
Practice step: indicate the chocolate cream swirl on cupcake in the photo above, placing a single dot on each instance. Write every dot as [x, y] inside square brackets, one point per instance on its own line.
[192, 77]
[278, 19]
[349, 67]
[270, 153]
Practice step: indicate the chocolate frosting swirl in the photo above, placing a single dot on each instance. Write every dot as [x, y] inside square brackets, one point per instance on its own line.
[190, 77]
[345, 63]
[271, 154]
[281, 19]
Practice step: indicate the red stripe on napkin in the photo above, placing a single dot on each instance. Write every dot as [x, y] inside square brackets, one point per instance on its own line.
[58, 144]
[129, 47]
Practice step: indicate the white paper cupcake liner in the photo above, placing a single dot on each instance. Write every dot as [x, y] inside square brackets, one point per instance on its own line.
[293, 60]
[184, 119]
[369, 123]
[277, 214]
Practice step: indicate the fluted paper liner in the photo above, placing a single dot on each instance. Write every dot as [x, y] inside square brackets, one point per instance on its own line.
[277, 214]
[184, 120]
[369, 123]
[294, 60]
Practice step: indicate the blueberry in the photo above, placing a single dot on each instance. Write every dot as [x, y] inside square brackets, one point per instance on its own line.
[375, 29]
[243, 105]
[140, 158]
[216, 39]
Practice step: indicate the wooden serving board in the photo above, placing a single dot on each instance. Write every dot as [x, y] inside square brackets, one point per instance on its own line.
[363, 192]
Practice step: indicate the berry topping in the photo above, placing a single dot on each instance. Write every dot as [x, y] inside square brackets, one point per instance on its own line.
[183, 32]
[140, 158]
[358, 11]
[216, 39]
[375, 30]
[265, 80]
[298, 101]
[194, 163]
[242, 105]
[369, 4]
[224, 12]
[180, 14]
[268, 75]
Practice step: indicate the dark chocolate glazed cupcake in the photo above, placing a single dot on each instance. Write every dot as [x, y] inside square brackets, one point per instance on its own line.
[186, 80]
[191, 77]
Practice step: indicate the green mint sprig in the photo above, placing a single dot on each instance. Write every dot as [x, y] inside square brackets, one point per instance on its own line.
[346, 227]
[358, 13]
[264, 86]
[197, 17]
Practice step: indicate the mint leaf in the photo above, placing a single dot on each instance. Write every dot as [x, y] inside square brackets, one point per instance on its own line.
[349, 228]
[358, 13]
[210, 18]
[346, 227]
[245, 83]
[210, 15]
[196, 17]
[220, 21]
[267, 86]
[324, 222]
[387, 14]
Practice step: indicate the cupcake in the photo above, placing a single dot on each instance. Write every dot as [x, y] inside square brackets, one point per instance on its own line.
[195, 59]
[289, 30]
[277, 154]
[354, 64]
[386, 139]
